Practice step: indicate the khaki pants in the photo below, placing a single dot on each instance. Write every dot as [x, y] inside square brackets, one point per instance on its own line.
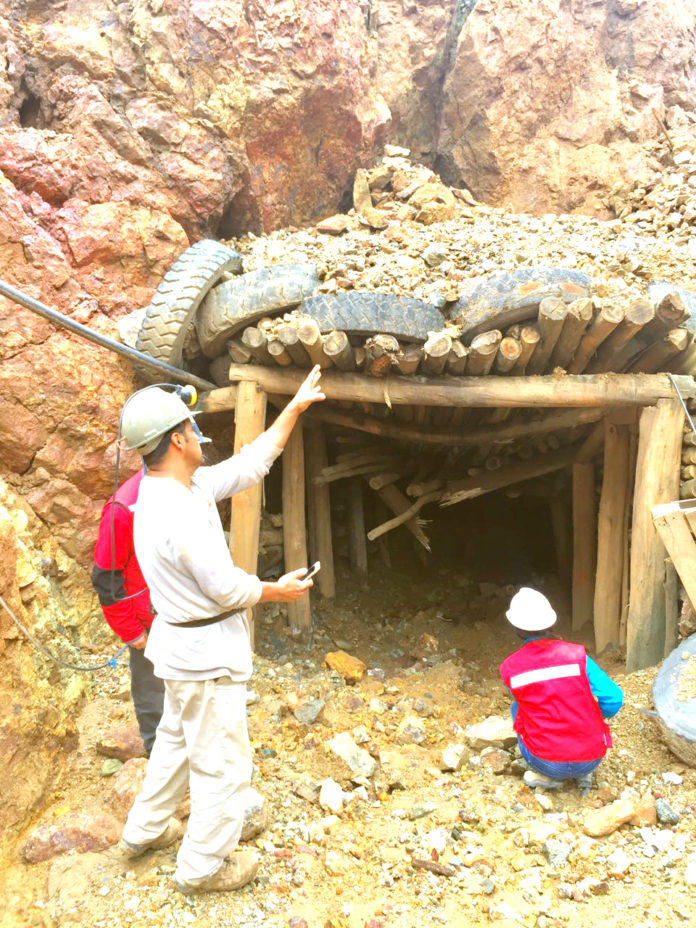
[202, 741]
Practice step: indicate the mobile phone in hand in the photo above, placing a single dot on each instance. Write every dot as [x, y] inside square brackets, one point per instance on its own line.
[316, 566]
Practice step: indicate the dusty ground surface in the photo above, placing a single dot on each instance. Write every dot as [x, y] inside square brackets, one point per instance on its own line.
[517, 858]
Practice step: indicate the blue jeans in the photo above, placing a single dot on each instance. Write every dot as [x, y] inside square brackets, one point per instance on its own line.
[559, 770]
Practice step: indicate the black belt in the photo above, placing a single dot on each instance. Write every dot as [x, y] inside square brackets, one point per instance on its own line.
[199, 623]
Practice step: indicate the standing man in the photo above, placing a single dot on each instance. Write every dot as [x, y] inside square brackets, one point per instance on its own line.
[200, 643]
[125, 601]
[561, 698]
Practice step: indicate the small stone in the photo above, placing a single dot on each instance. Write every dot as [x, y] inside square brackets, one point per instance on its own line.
[122, 743]
[72, 832]
[421, 811]
[352, 669]
[674, 778]
[331, 796]
[257, 815]
[435, 254]
[556, 852]
[374, 218]
[411, 731]
[645, 812]
[604, 821]
[495, 759]
[307, 713]
[361, 191]
[357, 758]
[665, 813]
[110, 766]
[334, 225]
[618, 862]
[494, 731]
[454, 756]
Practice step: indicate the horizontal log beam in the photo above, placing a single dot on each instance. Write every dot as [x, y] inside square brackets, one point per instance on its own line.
[587, 390]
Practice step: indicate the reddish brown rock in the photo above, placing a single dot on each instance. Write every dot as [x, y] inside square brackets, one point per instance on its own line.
[122, 743]
[496, 760]
[72, 832]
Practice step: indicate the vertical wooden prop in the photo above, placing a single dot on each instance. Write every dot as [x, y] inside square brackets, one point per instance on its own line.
[584, 543]
[294, 529]
[245, 521]
[356, 530]
[657, 481]
[611, 537]
[319, 509]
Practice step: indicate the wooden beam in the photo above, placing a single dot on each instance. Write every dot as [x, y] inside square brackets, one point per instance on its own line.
[357, 544]
[672, 524]
[294, 528]
[395, 500]
[611, 537]
[657, 481]
[584, 543]
[319, 509]
[594, 390]
[245, 519]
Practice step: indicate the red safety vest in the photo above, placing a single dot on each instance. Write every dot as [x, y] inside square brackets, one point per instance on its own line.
[558, 718]
[126, 618]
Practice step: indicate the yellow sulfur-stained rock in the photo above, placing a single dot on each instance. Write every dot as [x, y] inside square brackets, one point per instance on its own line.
[352, 669]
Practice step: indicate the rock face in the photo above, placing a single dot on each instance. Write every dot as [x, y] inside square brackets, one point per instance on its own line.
[549, 103]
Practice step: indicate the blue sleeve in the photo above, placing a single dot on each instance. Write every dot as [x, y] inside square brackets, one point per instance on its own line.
[607, 693]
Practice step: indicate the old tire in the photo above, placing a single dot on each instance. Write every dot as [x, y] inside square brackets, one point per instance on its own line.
[239, 302]
[498, 301]
[169, 317]
[677, 714]
[366, 313]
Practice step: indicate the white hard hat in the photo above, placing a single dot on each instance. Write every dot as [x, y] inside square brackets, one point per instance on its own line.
[148, 415]
[530, 611]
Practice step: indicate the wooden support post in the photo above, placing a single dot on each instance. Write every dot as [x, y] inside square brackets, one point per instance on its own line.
[657, 481]
[294, 530]
[611, 537]
[319, 509]
[356, 530]
[584, 543]
[245, 521]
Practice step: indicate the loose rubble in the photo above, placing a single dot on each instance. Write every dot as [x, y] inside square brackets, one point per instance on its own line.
[396, 800]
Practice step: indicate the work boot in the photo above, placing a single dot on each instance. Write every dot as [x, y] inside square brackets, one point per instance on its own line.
[171, 833]
[238, 870]
[536, 780]
[584, 784]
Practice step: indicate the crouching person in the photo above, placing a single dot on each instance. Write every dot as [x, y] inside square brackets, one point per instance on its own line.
[560, 698]
[199, 642]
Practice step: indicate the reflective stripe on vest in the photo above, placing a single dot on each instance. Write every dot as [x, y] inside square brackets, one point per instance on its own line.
[544, 673]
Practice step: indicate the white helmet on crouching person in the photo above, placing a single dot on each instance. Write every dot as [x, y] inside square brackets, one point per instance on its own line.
[530, 611]
[149, 414]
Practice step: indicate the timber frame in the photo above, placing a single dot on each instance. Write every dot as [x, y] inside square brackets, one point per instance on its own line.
[635, 419]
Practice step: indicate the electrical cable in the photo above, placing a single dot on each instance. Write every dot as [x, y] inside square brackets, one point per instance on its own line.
[188, 395]
[37, 644]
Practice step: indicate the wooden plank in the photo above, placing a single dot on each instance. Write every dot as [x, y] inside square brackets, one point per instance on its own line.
[294, 528]
[319, 510]
[657, 481]
[676, 535]
[584, 543]
[357, 543]
[245, 518]
[588, 390]
[611, 536]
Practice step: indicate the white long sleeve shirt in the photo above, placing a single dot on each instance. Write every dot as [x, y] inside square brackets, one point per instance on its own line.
[186, 563]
